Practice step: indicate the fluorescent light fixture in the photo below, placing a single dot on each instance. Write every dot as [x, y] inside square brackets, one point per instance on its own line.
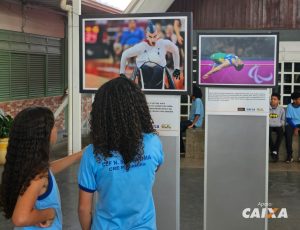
[118, 4]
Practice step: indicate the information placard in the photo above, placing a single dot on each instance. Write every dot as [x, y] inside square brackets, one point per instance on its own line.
[165, 112]
[230, 100]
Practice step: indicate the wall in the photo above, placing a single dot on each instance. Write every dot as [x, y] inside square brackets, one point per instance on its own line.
[31, 20]
[14, 107]
[289, 51]
[244, 14]
[86, 108]
[38, 21]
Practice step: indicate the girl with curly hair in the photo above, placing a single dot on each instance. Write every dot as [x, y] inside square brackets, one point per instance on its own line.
[122, 161]
[29, 193]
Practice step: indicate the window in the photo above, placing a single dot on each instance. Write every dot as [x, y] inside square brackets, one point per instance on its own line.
[30, 69]
[185, 99]
[288, 80]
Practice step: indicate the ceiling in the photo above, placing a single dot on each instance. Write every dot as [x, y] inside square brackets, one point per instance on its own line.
[94, 7]
[87, 6]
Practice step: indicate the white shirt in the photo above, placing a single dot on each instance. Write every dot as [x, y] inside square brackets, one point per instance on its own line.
[146, 53]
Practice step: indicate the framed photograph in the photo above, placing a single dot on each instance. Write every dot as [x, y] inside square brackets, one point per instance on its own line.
[238, 59]
[153, 50]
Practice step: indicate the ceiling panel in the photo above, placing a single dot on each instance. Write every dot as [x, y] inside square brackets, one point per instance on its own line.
[88, 6]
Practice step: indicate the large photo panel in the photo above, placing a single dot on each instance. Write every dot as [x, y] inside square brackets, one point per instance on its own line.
[153, 50]
[238, 59]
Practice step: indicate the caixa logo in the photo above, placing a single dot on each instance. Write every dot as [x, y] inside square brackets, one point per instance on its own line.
[165, 126]
[261, 213]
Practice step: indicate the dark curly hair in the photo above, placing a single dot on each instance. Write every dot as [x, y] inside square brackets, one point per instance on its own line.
[197, 93]
[119, 117]
[27, 154]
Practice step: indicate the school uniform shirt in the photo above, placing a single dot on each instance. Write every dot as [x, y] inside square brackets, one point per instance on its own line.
[276, 116]
[50, 199]
[197, 109]
[293, 115]
[125, 198]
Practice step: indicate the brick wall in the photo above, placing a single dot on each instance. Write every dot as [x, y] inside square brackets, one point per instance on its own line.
[86, 108]
[14, 107]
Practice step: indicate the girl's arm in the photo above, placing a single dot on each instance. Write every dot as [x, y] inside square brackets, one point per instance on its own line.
[59, 165]
[85, 209]
[24, 213]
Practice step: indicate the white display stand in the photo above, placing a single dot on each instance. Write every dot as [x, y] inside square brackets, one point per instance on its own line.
[236, 157]
[165, 112]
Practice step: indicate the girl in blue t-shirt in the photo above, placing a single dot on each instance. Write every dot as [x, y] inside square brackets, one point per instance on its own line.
[121, 163]
[29, 193]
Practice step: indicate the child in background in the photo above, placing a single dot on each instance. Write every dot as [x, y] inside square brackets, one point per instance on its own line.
[293, 124]
[121, 163]
[29, 193]
[195, 118]
[277, 121]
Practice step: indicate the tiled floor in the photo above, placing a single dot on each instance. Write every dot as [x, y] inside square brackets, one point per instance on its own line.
[279, 166]
[284, 191]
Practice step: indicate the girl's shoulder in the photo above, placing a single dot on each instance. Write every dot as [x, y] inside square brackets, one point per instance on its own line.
[39, 183]
[88, 155]
[88, 152]
[89, 148]
[41, 177]
[47, 180]
[151, 138]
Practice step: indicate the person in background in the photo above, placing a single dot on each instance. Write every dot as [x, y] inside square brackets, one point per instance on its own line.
[126, 39]
[177, 29]
[292, 124]
[196, 116]
[159, 30]
[276, 123]
[170, 33]
[122, 162]
[132, 35]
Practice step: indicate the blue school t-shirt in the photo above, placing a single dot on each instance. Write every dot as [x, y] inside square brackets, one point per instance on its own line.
[197, 109]
[50, 199]
[293, 115]
[125, 198]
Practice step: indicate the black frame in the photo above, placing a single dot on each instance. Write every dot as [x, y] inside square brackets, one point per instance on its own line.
[276, 34]
[188, 50]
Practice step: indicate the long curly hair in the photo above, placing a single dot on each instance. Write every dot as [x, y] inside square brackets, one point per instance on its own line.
[119, 117]
[27, 154]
